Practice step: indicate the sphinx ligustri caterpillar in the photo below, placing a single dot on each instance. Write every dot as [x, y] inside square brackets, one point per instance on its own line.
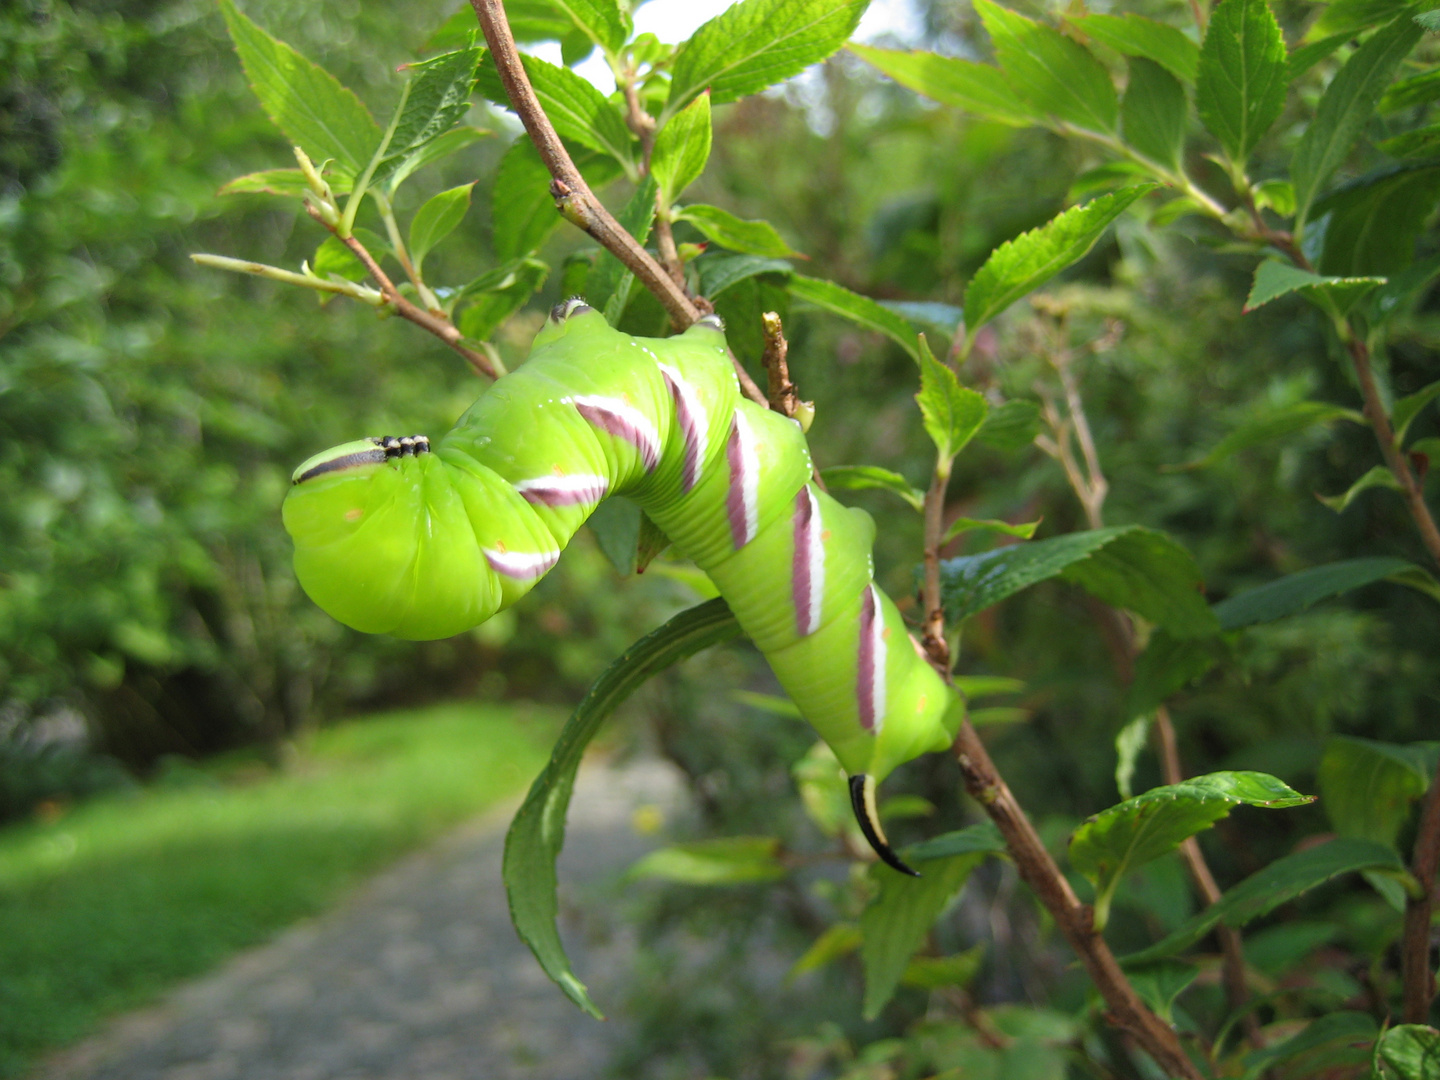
[396, 536]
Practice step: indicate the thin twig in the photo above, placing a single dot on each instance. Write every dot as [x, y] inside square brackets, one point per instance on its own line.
[780, 390]
[441, 327]
[937, 649]
[1417, 976]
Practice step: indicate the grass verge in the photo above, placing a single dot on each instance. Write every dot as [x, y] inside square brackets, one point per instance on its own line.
[121, 897]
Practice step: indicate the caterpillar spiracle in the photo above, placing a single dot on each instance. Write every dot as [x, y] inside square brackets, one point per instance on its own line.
[401, 536]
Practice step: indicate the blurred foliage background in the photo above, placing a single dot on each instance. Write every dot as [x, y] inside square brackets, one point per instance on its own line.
[151, 412]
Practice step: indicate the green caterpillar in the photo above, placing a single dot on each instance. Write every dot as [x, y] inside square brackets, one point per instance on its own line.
[394, 536]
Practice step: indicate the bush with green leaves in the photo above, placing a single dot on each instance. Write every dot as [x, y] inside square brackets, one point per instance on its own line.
[1329, 207]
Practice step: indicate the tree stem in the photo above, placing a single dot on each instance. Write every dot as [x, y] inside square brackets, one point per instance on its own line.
[1417, 976]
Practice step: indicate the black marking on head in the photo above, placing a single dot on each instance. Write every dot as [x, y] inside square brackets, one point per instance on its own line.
[403, 445]
[713, 321]
[864, 810]
[344, 461]
[566, 309]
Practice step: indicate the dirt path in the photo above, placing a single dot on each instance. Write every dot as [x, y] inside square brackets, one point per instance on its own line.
[417, 975]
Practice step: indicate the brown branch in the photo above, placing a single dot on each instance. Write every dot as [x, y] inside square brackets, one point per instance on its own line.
[780, 390]
[937, 649]
[438, 325]
[1410, 488]
[1038, 870]
[1417, 976]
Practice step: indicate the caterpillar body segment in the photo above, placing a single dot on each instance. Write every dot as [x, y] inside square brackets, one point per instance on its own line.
[425, 540]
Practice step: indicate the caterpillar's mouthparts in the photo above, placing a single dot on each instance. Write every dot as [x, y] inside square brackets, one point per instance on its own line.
[862, 799]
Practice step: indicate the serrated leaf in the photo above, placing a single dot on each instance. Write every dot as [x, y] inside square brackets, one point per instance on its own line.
[895, 923]
[574, 106]
[726, 860]
[1419, 142]
[436, 219]
[1367, 787]
[1274, 279]
[1428, 20]
[980, 839]
[824, 791]
[333, 257]
[290, 183]
[1353, 17]
[865, 477]
[437, 98]
[1051, 72]
[1160, 983]
[1380, 476]
[1125, 566]
[1024, 264]
[1304, 57]
[839, 940]
[538, 831]
[1353, 1028]
[682, 147]
[616, 525]
[303, 100]
[1154, 113]
[1408, 407]
[602, 21]
[1372, 224]
[1270, 423]
[494, 297]
[437, 149]
[979, 89]
[531, 21]
[1264, 891]
[737, 234]
[1010, 426]
[952, 413]
[1168, 665]
[1135, 35]
[947, 318]
[608, 286]
[938, 972]
[755, 44]
[860, 310]
[1240, 84]
[1023, 531]
[1408, 1051]
[1297, 592]
[1113, 843]
[1348, 102]
[720, 272]
[523, 213]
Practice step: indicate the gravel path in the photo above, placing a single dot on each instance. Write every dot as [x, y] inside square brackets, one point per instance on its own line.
[417, 975]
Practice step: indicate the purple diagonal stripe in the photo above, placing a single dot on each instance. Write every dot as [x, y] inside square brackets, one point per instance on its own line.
[521, 565]
[870, 680]
[735, 502]
[624, 421]
[691, 416]
[574, 490]
[808, 563]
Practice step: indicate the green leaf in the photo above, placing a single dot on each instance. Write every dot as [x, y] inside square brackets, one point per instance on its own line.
[1010, 426]
[860, 310]
[1353, 17]
[1274, 422]
[1408, 1051]
[531, 21]
[1154, 113]
[288, 182]
[1125, 566]
[1160, 983]
[1053, 73]
[1134, 35]
[947, 318]
[494, 297]
[437, 98]
[729, 231]
[1033, 258]
[938, 972]
[1118, 841]
[538, 831]
[963, 525]
[1168, 664]
[726, 860]
[523, 212]
[1379, 476]
[1419, 142]
[438, 148]
[616, 525]
[602, 21]
[608, 286]
[980, 839]
[303, 100]
[1297, 592]
[896, 922]
[1428, 20]
[839, 940]
[682, 147]
[864, 477]
[720, 272]
[1264, 891]
[1303, 58]
[333, 257]
[979, 89]
[999, 714]
[1322, 1032]
[976, 686]
[1348, 102]
[1241, 82]
[1408, 407]
[436, 219]
[755, 44]
[1411, 92]
[1367, 787]
[1129, 741]
[952, 413]
[1274, 279]
[574, 106]
[1371, 225]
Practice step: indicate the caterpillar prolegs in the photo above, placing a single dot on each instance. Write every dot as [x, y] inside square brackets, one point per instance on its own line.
[397, 536]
